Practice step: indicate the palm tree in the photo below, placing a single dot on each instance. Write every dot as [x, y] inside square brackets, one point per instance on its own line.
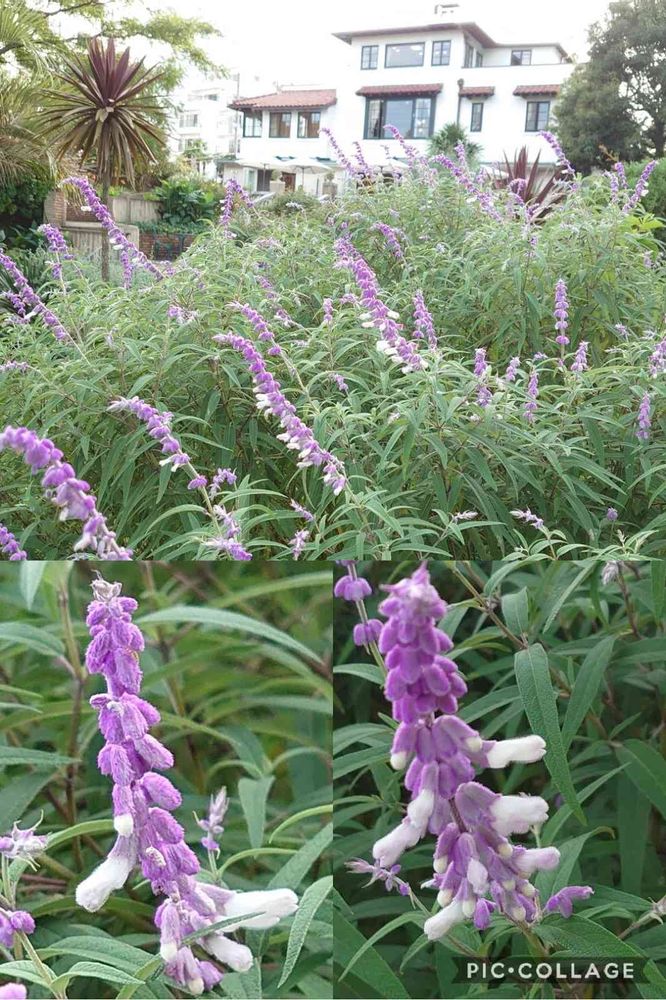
[105, 112]
[22, 151]
[448, 137]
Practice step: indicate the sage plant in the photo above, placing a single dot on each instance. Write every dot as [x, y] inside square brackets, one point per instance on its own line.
[10, 547]
[477, 870]
[30, 300]
[70, 495]
[144, 800]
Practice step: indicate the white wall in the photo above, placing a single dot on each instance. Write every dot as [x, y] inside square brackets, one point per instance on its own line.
[504, 114]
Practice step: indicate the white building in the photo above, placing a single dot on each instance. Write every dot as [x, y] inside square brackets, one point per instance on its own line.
[205, 121]
[418, 78]
[280, 139]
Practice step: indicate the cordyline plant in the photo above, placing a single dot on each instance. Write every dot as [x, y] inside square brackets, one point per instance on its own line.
[104, 111]
[477, 868]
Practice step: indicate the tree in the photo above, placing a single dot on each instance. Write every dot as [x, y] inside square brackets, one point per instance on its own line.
[594, 122]
[22, 152]
[618, 99]
[105, 112]
[48, 30]
[446, 140]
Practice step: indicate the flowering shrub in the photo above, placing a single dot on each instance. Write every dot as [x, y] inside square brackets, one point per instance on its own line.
[365, 319]
[165, 787]
[524, 724]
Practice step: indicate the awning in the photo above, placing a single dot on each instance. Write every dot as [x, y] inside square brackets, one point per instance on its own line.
[401, 90]
[476, 91]
[537, 89]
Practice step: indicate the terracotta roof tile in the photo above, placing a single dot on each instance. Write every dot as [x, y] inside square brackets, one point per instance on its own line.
[398, 89]
[286, 100]
[476, 91]
[534, 89]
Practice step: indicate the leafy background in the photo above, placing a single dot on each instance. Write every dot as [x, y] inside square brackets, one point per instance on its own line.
[238, 663]
[585, 663]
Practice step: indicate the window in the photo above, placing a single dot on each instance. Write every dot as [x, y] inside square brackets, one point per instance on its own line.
[441, 53]
[477, 117]
[212, 97]
[279, 125]
[538, 113]
[189, 120]
[308, 124]
[521, 57]
[412, 116]
[252, 124]
[470, 52]
[404, 54]
[479, 59]
[369, 56]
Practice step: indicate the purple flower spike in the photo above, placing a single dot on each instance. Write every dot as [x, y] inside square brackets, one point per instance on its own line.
[11, 547]
[306, 514]
[477, 869]
[532, 396]
[149, 836]
[327, 305]
[529, 518]
[579, 363]
[296, 434]
[512, 370]
[644, 418]
[71, 495]
[28, 302]
[389, 876]
[220, 477]
[232, 192]
[159, 427]
[229, 538]
[57, 246]
[377, 315]
[562, 902]
[561, 313]
[298, 542]
[392, 237]
[25, 844]
[611, 514]
[640, 189]
[423, 323]
[130, 254]
[212, 825]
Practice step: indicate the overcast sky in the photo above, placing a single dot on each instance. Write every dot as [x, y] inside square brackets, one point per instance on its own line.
[290, 41]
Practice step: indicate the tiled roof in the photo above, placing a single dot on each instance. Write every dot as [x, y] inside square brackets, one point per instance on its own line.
[398, 89]
[476, 91]
[286, 100]
[534, 89]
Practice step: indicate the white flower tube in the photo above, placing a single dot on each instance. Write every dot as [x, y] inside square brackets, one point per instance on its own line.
[442, 922]
[270, 905]
[237, 956]
[112, 874]
[388, 849]
[517, 813]
[522, 750]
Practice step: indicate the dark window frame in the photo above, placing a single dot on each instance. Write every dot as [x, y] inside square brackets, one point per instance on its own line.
[374, 57]
[382, 116]
[470, 52]
[520, 61]
[537, 127]
[253, 116]
[307, 116]
[410, 65]
[476, 126]
[278, 116]
[445, 47]
[478, 61]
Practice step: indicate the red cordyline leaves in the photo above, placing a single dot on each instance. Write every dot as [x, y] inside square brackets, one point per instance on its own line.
[539, 192]
[104, 109]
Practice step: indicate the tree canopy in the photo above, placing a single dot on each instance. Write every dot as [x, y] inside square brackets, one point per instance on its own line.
[614, 106]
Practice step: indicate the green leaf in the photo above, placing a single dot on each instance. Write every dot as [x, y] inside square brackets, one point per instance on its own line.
[538, 697]
[15, 799]
[550, 882]
[312, 899]
[95, 970]
[658, 579]
[227, 620]
[253, 793]
[36, 758]
[294, 871]
[100, 947]
[647, 770]
[633, 815]
[404, 918]
[585, 688]
[515, 609]
[373, 971]
[30, 576]
[38, 639]
[297, 817]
